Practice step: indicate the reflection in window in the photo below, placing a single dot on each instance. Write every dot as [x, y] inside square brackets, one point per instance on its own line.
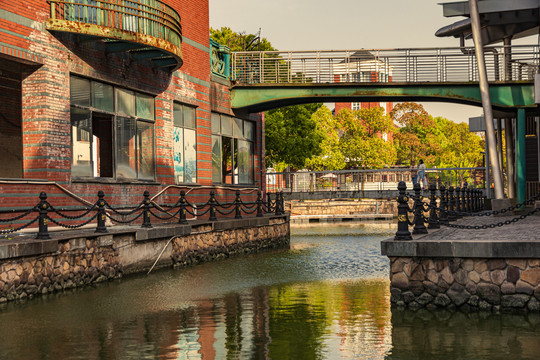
[93, 118]
[232, 150]
[184, 144]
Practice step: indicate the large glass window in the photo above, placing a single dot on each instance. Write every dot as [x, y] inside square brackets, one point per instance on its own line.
[104, 134]
[185, 143]
[232, 150]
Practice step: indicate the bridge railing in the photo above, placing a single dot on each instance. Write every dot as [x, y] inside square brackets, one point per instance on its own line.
[370, 180]
[384, 65]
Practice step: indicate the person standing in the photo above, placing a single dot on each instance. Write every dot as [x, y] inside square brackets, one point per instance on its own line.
[422, 178]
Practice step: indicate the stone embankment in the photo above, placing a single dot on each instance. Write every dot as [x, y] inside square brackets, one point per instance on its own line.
[469, 284]
[71, 259]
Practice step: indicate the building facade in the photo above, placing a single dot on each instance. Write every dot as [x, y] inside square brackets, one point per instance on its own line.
[119, 96]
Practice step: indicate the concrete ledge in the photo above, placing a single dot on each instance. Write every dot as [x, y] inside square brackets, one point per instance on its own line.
[462, 249]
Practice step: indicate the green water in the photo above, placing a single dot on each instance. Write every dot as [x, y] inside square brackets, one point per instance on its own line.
[325, 298]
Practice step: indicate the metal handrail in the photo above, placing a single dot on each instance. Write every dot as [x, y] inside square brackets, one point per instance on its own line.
[415, 65]
[150, 17]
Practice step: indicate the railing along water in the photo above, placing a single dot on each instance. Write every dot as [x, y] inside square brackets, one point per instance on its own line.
[44, 212]
[365, 180]
[439, 65]
[149, 17]
[453, 203]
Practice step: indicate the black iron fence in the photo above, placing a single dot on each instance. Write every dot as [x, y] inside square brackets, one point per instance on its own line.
[147, 210]
[450, 204]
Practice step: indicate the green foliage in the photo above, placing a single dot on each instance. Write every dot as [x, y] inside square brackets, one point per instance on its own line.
[331, 156]
[240, 41]
[292, 135]
[361, 140]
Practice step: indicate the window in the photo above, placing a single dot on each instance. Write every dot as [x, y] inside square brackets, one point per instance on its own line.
[185, 143]
[108, 140]
[232, 150]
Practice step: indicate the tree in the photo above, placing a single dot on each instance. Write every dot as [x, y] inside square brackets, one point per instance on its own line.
[361, 141]
[415, 138]
[240, 41]
[331, 156]
[292, 135]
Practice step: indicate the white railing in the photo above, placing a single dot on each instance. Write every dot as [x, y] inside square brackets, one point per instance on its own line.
[369, 180]
[436, 65]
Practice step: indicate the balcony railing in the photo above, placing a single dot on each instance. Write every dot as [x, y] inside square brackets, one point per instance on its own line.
[149, 24]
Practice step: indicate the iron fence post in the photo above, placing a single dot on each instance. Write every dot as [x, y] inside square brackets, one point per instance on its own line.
[268, 203]
[43, 208]
[403, 232]
[259, 203]
[182, 210]
[443, 213]
[277, 210]
[101, 228]
[212, 210]
[237, 202]
[433, 218]
[146, 210]
[458, 202]
[419, 226]
[451, 205]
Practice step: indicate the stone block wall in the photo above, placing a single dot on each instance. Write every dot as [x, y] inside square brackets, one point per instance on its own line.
[74, 263]
[342, 207]
[469, 284]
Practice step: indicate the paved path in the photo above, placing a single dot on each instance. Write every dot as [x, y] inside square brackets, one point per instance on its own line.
[526, 229]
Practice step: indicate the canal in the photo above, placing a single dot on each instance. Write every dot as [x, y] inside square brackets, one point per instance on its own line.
[325, 298]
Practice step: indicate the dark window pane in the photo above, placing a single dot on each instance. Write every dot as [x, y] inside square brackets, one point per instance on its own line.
[226, 160]
[80, 91]
[216, 123]
[189, 116]
[216, 158]
[249, 130]
[102, 96]
[145, 150]
[125, 101]
[145, 106]
[126, 133]
[178, 115]
[226, 125]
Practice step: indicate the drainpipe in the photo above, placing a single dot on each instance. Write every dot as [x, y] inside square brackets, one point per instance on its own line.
[486, 100]
[508, 130]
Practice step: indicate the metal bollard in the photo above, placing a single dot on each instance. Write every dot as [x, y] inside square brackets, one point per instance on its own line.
[443, 214]
[433, 218]
[146, 210]
[43, 208]
[451, 205]
[212, 210]
[101, 228]
[182, 210]
[237, 209]
[268, 203]
[259, 204]
[403, 232]
[419, 226]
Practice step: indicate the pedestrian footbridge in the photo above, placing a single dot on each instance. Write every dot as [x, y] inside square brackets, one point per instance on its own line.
[271, 79]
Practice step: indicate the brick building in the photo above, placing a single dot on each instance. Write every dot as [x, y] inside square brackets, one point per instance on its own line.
[120, 96]
[363, 66]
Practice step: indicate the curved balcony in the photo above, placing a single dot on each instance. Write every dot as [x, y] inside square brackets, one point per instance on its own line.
[147, 29]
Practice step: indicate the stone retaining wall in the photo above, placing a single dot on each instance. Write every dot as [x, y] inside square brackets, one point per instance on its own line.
[342, 207]
[30, 267]
[468, 284]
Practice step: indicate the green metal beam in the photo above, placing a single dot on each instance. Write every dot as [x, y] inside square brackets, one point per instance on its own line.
[254, 98]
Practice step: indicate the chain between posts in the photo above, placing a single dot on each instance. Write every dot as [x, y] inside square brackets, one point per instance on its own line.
[453, 204]
[146, 209]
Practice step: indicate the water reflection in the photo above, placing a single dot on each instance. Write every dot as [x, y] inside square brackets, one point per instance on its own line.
[326, 298]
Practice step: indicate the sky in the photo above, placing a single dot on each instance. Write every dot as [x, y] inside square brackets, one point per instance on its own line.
[345, 25]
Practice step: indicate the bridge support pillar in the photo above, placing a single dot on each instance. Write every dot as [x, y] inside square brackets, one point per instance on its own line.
[520, 155]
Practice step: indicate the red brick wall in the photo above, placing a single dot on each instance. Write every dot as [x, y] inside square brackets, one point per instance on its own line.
[45, 103]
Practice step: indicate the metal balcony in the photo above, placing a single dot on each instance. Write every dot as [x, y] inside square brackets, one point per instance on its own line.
[147, 29]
